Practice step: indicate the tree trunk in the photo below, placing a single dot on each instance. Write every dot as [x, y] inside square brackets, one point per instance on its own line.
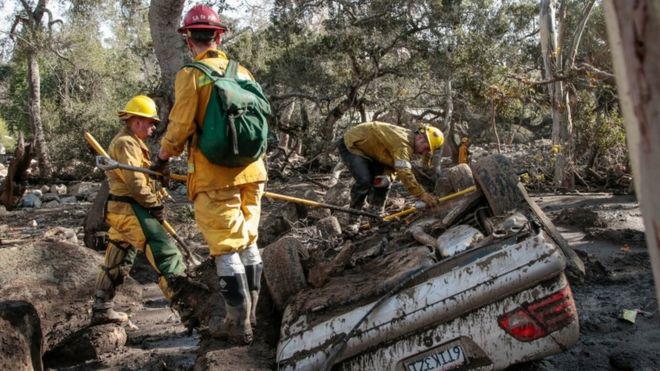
[13, 186]
[633, 28]
[562, 125]
[34, 114]
[328, 132]
[493, 112]
[164, 17]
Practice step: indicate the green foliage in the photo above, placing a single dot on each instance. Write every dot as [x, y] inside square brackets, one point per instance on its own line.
[6, 139]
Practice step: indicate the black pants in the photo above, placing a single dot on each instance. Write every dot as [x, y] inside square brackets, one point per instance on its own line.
[364, 171]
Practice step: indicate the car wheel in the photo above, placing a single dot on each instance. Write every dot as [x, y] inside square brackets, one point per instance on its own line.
[498, 181]
[283, 271]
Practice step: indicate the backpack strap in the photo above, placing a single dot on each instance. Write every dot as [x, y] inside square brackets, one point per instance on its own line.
[232, 69]
[230, 72]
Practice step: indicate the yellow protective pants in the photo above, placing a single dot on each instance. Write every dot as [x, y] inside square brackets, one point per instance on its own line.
[125, 234]
[229, 218]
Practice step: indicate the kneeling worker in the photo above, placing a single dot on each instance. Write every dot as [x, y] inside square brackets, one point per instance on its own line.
[373, 150]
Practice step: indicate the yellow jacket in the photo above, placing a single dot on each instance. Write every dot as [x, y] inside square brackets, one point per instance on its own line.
[391, 145]
[128, 149]
[192, 90]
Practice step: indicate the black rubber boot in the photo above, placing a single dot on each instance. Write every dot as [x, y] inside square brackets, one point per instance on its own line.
[236, 325]
[253, 273]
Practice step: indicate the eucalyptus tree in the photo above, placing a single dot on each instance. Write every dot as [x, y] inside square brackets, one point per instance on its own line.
[559, 51]
[634, 28]
[31, 31]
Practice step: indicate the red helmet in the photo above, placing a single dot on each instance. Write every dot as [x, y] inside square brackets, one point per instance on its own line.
[201, 17]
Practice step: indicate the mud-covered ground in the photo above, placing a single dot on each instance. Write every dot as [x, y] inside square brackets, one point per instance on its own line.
[606, 231]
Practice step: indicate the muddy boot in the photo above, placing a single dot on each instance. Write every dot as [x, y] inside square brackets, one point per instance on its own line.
[109, 315]
[186, 296]
[235, 326]
[253, 273]
[103, 313]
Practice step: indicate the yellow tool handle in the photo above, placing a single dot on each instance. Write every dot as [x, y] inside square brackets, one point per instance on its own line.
[277, 196]
[97, 147]
[448, 197]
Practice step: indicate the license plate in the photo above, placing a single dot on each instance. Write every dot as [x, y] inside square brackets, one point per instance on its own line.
[444, 358]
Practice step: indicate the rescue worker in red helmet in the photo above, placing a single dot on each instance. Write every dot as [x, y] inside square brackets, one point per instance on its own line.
[227, 200]
[373, 150]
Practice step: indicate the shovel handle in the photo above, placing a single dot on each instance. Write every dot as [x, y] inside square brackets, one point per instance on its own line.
[448, 197]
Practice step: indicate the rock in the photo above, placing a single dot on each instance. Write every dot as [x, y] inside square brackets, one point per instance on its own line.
[283, 271]
[31, 200]
[442, 185]
[70, 200]
[61, 234]
[315, 212]
[51, 204]
[38, 193]
[460, 177]
[44, 189]
[329, 227]
[20, 336]
[84, 190]
[85, 344]
[3, 210]
[58, 189]
[47, 197]
[339, 195]
[274, 225]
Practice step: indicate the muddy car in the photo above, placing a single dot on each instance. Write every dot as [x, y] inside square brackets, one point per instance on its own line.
[480, 285]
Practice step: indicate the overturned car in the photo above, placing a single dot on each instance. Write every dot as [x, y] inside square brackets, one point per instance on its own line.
[480, 285]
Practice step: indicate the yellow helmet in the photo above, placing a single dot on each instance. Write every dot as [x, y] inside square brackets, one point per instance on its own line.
[140, 105]
[434, 136]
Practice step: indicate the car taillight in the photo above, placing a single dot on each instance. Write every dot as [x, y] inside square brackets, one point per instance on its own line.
[540, 318]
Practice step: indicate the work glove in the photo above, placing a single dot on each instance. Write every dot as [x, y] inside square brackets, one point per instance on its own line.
[158, 213]
[430, 200]
[163, 167]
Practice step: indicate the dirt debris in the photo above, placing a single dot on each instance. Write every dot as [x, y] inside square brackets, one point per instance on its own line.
[617, 278]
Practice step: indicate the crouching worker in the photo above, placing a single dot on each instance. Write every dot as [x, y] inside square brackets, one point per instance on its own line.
[134, 213]
[372, 151]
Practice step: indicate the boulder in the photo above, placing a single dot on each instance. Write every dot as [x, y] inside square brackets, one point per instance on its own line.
[85, 344]
[329, 227]
[58, 189]
[20, 336]
[31, 200]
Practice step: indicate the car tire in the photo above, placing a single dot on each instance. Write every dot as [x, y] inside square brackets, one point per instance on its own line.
[497, 179]
[283, 270]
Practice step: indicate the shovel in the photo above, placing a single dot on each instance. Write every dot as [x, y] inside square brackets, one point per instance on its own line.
[105, 163]
[192, 259]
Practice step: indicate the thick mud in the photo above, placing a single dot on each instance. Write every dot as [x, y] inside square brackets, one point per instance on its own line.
[605, 230]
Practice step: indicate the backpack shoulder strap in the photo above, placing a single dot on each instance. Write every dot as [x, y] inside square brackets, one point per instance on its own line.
[206, 69]
[232, 69]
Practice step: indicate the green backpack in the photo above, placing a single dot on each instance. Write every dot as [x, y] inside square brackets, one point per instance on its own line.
[235, 126]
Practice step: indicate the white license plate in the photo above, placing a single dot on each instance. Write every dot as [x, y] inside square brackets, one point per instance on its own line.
[444, 358]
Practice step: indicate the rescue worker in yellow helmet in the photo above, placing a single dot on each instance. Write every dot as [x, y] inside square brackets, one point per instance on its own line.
[134, 214]
[227, 200]
[372, 150]
[464, 151]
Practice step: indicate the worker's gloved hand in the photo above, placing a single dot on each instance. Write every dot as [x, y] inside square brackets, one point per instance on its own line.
[161, 166]
[158, 212]
[429, 199]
